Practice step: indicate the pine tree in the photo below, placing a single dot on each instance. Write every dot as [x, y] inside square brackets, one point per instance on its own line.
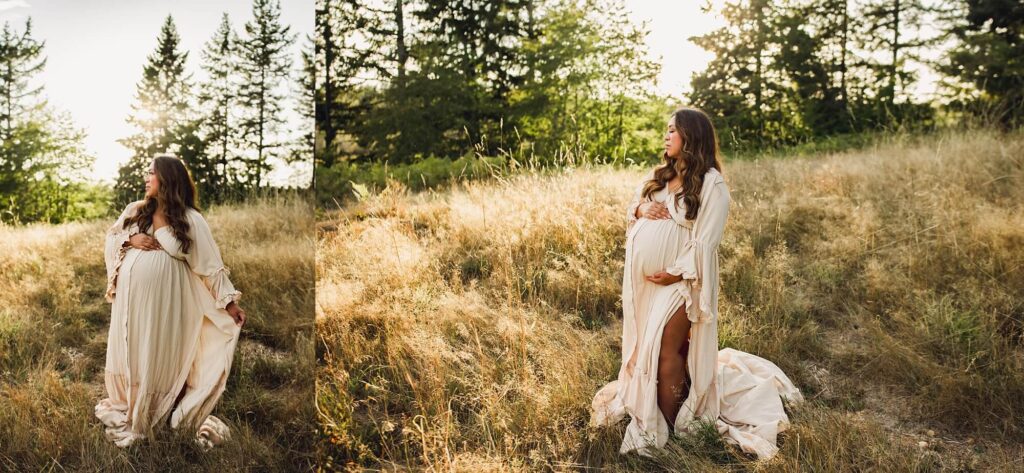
[265, 64]
[893, 32]
[22, 59]
[987, 61]
[161, 110]
[217, 102]
[742, 87]
[302, 148]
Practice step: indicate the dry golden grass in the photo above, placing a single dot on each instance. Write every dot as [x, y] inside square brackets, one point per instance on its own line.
[467, 330]
[53, 334]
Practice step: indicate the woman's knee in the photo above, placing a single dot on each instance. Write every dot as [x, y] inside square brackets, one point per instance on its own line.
[669, 361]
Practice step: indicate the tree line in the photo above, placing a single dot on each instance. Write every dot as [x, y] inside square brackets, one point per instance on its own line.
[401, 81]
[789, 71]
[228, 128]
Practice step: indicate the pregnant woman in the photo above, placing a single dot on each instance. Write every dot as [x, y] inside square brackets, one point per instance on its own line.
[175, 317]
[672, 372]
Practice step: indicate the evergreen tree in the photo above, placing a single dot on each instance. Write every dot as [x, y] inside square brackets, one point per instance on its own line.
[893, 38]
[217, 102]
[160, 112]
[302, 148]
[341, 52]
[265, 64]
[21, 58]
[986, 64]
[743, 87]
[829, 24]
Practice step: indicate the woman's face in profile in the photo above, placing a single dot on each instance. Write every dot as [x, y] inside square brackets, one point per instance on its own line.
[152, 183]
[673, 140]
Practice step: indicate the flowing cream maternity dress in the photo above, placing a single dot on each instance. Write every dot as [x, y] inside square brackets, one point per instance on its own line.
[741, 393]
[168, 330]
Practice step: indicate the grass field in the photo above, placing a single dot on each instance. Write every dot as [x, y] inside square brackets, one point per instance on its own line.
[53, 335]
[468, 329]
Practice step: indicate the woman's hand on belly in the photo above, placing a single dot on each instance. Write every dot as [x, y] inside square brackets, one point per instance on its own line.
[654, 211]
[144, 242]
[662, 278]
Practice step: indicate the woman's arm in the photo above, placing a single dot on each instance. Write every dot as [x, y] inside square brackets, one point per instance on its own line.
[204, 259]
[116, 246]
[697, 264]
[707, 233]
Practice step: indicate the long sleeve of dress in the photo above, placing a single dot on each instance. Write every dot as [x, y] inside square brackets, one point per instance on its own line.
[204, 259]
[698, 261]
[114, 248]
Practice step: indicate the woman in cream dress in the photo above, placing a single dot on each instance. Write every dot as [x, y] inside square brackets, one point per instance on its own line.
[672, 372]
[175, 318]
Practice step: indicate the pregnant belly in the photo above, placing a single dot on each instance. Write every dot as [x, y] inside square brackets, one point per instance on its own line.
[156, 268]
[656, 245]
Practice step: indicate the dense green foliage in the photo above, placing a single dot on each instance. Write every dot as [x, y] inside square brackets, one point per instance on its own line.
[41, 151]
[407, 80]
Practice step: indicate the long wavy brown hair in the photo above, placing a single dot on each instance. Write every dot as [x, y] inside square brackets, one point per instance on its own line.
[176, 194]
[699, 154]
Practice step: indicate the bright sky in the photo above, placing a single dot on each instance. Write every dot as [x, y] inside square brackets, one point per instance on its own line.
[96, 49]
[671, 23]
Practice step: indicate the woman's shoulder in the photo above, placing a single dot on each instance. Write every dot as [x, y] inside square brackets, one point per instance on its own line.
[714, 183]
[194, 215]
[133, 207]
[714, 178]
[715, 175]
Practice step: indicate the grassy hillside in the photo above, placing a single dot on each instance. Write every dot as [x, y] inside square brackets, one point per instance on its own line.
[53, 335]
[469, 329]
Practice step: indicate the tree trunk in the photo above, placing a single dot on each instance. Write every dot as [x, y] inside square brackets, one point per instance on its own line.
[400, 50]
[842, 59]
[329, 91]
[895, 53]
[758, 75]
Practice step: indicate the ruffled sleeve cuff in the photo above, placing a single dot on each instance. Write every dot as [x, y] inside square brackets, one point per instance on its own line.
[632, 217]
[686, 264]
[693, 255]
[221, 288]
[117, 248]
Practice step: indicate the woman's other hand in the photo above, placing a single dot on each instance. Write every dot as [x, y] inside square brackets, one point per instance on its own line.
[662, 278]
[654, 211]
[144, 242]
[236, 313]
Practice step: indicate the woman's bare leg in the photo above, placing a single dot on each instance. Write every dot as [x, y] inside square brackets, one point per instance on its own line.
[672, 375]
